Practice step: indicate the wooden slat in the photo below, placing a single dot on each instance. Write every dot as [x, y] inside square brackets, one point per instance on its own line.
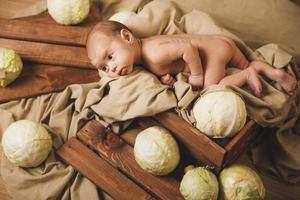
[44, 18]
[37, 79]
[198, 144]
[100, 172]
[42, 28]
[49, 33]
[121, 156]
[239, 142]
[49, 53]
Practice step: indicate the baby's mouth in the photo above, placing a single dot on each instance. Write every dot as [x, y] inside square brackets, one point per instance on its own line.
[123, 71]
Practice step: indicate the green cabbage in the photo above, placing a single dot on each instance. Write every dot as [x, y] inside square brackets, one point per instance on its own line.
[156, 151]
[239, 182]
[10, 66]
[220, 114]
[68, 11]
[199, 184]
[26, 143]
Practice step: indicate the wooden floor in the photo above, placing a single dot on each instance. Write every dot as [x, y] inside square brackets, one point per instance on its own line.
[275, 190]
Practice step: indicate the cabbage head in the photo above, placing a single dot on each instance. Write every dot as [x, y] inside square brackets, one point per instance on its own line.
[26, 143]
[156, 151]
[10, 66]
[68, 11]
[220, 114]
[199, 184]
[239, 182]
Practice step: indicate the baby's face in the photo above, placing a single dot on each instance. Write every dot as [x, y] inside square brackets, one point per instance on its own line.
[112, 54]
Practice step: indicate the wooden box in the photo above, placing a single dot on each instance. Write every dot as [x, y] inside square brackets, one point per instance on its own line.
[116, 164]
[40, 40]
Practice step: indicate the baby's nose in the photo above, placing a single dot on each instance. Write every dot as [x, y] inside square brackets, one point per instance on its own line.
[112, 67]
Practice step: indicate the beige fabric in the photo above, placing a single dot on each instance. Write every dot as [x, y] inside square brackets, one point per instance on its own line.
[65, 112]
[278, 147]
[273, 109]
[15, 9]
[256, 22]
[135, 95]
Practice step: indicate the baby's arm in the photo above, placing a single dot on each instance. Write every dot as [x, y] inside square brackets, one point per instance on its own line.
[192, 59]
[167, 53]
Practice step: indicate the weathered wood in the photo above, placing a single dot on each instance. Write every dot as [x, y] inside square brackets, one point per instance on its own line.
[48, 33]
[99, 171]
[42, 28]
[37, 79]
[49, 53]
[120, 154]
[198, 144]
[239, 142]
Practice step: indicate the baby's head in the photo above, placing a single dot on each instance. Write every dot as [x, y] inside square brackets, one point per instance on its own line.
[112, 47]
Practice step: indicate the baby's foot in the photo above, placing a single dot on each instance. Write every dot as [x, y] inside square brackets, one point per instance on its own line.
[253, 81]
[286, 81]
[167, 80]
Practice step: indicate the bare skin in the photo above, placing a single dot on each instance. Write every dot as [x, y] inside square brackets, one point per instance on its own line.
[204, 57]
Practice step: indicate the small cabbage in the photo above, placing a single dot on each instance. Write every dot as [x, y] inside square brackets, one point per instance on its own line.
[122, 16]
[26, 143]
[239, 182]
[10, 66]
[156, 151]
[220, 114]
[68, 11]
[199, 184]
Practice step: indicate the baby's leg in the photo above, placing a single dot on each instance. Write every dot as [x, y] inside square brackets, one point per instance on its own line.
[286, 81]
[214, 72]
[248, 75]
[238, 60]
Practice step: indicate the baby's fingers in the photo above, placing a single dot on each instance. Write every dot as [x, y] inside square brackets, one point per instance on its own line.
[167, 79]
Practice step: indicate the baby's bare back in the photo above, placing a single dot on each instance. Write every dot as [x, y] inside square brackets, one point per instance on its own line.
[164, 54]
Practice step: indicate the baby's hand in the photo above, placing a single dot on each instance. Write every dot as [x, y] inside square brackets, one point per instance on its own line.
[167, 79]
[196, 81]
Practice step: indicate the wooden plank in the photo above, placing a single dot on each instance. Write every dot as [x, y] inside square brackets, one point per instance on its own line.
[120, 154]
[42, 28]
[37, 79]
[239, 142]
[49, 33]
[199, 145]
[49, 53]
[44, 18]
[100, 172]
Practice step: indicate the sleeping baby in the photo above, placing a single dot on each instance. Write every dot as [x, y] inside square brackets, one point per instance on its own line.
[113, 48]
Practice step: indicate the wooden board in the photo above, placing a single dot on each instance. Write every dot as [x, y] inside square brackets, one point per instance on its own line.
[204, 148]
[117, 151]
[100, 172]
[42, 28]
[50, 52]
[44, 53]
[120, 155]
[37, 79]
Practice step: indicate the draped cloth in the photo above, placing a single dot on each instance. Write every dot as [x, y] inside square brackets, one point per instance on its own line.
[117, 101]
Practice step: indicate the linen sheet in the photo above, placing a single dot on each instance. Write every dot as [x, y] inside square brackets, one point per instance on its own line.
[117, 101]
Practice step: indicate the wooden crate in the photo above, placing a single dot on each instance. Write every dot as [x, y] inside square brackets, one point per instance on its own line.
[41, 41]
[216, 153]
[117, 152]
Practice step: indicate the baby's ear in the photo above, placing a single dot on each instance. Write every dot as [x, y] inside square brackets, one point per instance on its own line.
[127, 35]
